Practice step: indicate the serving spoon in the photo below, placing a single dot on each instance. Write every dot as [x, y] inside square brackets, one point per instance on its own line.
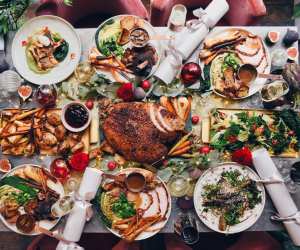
[252, 69]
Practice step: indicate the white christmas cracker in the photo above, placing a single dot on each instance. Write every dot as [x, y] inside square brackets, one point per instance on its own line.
[196, 32]
[278, 192]
[81, 212]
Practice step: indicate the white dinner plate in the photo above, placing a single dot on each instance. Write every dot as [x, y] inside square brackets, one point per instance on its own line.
[145, 235]
[211, 176]
[155, 43]
[64, 68]
[257, 85]
[47, 224]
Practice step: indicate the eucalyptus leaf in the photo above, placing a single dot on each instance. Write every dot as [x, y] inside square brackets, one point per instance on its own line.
[171, 90]
[165, 174]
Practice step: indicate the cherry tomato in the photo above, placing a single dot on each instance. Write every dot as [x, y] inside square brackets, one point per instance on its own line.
[204, 149]
[89, 103]
[111, 165]
[291, 133]
[195, 119]
[146, 85]
[274, 142]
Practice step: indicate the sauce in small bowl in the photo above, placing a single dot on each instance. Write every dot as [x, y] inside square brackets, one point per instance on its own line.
[135, 182]
[76, 117]
[139, 37]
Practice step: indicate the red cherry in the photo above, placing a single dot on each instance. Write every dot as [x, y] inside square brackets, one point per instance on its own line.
[204, 149]
[89, 103]
[146, 85]
[291, 133]
[111, 165]
[195, 119]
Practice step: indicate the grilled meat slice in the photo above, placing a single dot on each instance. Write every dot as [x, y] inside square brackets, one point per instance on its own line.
[134, 133]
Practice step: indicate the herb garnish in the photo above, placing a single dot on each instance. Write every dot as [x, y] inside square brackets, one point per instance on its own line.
[123, 208]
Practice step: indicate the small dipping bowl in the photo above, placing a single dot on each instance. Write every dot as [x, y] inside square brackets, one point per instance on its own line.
[75, 117]
[135, 182]
[247, 73]
[139, 37]
[274, 94]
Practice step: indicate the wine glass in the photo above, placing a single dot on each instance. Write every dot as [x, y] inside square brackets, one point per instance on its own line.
[46, 95]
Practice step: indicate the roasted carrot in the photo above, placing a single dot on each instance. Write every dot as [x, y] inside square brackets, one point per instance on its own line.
[182, 140]
[181, 151]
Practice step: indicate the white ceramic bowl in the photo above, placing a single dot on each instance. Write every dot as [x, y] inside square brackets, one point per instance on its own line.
[67, 126]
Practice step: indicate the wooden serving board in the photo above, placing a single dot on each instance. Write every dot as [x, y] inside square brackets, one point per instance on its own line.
[85, 138]
[207, 123]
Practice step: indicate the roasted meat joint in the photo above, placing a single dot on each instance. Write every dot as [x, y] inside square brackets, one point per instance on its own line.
[142, 132]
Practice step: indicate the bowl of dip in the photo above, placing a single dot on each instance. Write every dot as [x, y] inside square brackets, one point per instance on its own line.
[75, 116]
[139, 37]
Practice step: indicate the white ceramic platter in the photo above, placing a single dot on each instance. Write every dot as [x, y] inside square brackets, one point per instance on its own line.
[154, 43]
[211, 176]
[47, 224]
[259, 82]
[145, 235]
[64, 68]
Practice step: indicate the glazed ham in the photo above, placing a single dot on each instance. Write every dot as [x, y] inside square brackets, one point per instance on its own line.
[141, 200]
[256, 59]
[164, 208]
[140, 131]
[154, 209]
[263, 65]
[250, 46]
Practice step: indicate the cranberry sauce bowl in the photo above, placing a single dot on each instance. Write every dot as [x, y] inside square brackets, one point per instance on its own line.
[75, 116]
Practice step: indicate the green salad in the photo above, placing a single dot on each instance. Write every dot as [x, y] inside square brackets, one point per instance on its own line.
[277, 132]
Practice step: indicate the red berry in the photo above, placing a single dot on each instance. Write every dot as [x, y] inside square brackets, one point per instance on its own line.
[204, 149]
[291, 133]
[111, 165]
[146, 85]
[89, 103]
[195, 119]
